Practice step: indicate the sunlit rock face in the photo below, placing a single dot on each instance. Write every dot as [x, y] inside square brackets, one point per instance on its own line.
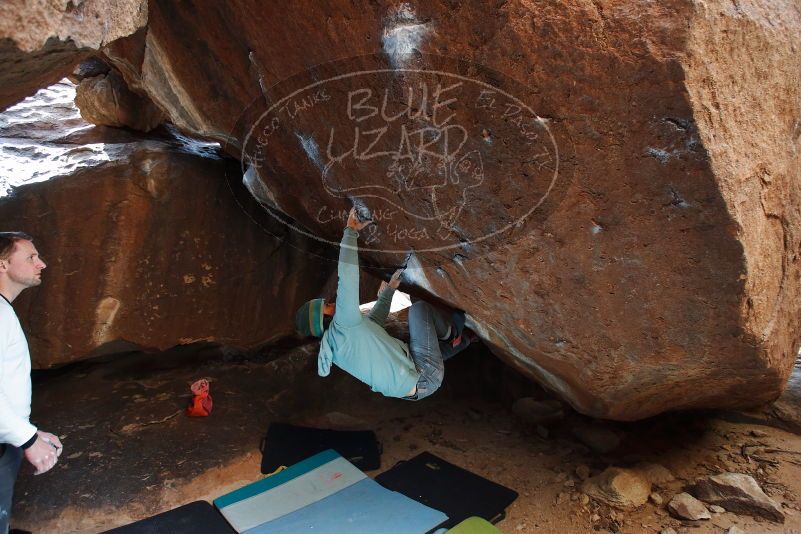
[617, 208]
[146, 240]
[38, 138]
[105, 100]
[41, 42]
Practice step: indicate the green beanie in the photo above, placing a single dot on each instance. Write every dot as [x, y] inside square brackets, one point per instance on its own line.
[309, 319]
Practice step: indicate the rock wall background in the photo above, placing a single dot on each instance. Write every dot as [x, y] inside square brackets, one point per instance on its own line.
[41, 42]
[146, 242]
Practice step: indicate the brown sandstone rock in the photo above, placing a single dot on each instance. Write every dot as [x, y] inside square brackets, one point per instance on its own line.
[145, 241]
[534, 412]
[153, 250]
[657, 474]
[738, 493]
[106, 100]
[597, 437]
[686, 506]
[787, 407]
[657, 267]
[41, 42]
[618, 487]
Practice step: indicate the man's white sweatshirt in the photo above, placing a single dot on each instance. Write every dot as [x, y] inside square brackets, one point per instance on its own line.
[15, 379]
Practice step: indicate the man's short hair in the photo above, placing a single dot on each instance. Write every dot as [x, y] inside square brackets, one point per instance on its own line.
[8, 240]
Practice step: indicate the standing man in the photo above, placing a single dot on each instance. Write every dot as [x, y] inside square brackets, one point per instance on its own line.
[20, 268]
[360, 345]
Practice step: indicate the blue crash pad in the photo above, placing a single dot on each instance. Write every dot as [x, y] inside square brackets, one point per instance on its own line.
[324, 493]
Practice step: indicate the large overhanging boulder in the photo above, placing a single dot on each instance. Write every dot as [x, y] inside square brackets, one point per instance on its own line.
[42, 41]
[622, 224]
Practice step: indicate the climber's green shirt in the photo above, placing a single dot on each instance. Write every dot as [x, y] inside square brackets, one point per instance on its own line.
[360, 345]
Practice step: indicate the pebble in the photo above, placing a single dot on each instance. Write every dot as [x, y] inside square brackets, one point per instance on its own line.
[618, 487]
[656, 498]
[759, 433]
[685, 506]
[585, 499]
[715, 509]
[657, 474]
[734, 529]
[583, 472]
[536, 412]
[597, 437]
[667, 530]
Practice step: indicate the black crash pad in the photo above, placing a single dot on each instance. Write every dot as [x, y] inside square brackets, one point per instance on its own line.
[448, 488]
[287, 445]
[197, 517]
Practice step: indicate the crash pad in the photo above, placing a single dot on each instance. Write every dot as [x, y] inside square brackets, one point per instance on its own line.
[444, 486]
[324, 493]
[287, 444]
[197, 517]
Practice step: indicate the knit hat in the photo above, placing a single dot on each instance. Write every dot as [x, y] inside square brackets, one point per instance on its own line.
[309, 319]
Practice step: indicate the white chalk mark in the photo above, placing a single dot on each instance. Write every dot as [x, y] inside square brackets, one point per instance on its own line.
[415, 273]
[403, 35]
[312, 150]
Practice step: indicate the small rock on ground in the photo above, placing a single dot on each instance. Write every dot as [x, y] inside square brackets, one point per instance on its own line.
[618, 487]
[598, 438]
[536, 412]
[738, 493]
[583, 472]
[685, 506]
[655, 473]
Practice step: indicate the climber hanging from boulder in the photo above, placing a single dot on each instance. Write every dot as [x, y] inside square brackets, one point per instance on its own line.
[360, 345]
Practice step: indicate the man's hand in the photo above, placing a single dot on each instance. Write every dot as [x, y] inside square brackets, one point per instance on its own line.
[52, 439]
[354, 222]
[44, 452]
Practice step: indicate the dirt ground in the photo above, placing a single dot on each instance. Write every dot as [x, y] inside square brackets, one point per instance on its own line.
[130, 452]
